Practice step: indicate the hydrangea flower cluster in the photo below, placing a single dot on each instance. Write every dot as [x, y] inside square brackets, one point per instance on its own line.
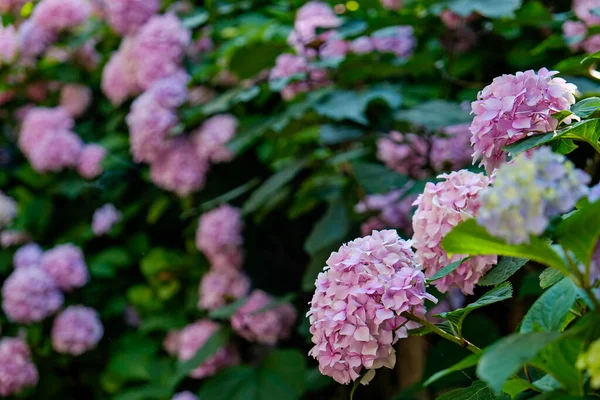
[219, 286]
[155, 52]
[177, 163]
[8, 210]
[528, 192]
[441, 207]
[394, 211]
[187, 395]
[66, 266]
[29, 255]
[451, 150]
[105, 218]
[219, 237]
[576, 32]
[10, 238]
[75, 99]
[193, 337]
[17, 371]
[49, 143]
[310, 17]
[355, 313]
[127, 16]
[513, 107]
[30, 295]
[291, 66]
[257, 321]
[76, 330]
[9, 44]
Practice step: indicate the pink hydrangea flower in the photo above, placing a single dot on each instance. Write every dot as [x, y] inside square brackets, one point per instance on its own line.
[256, 321]
[574, 33]
[118, 76]
[8, 210]
[187, 395]
[356, 311]
[404, 153]
[56, 151]
[591, 44]
[105, 218]
[362, 45]
[66, 265]
[513, 107]
[583, 10]
[127, 16]
[9, 44]
[179, 169]
[172, 341]
[287, 65]
[394, 211]
[310, 17]
[452, 150]
[34, 39]
[334, 48]
[399, 40]
[60, 15]
[76, 330]
[10, 238]
[392, 4]
[90, 161]
[38, 122]
[211, 138]
[219, 237]
[441, 207]
[30, 295]
[218, 287]
[193, 337]
[75, 99]
[17, 370]
[27, 256]
[12, 6]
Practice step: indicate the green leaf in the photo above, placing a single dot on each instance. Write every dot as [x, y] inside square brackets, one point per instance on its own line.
[195, 20]
[586, 107]
[586, 131]
[499, 293]
[468, 362]
[157, 209]
[487, 8]
[591, 57]
[579, 232]
[250, 59]
[333, 134]
[161, 259]
[162, 322]
[558, 359]
[227, 311]
[281, 376]
[330, 229]
[505, 357]
[529, 143]
[447, 270]
[273, 185]
[148, 392]
[505, 268]
[549, 311]
[513, 387]
[446, 113]
[549, 277]
[351, 105]
[106, 263]
[375, 178]
[217, 340]
[477, 391]
[470, 238]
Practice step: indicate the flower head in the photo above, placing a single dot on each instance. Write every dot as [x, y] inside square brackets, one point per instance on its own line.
[452, 150]
[399, 40]
[441, 207]
[90, 161]
[9, 44]
[76, 330]
[312, 16]
[219, 237]
[193, 337]
[29, 255]
[58, 15]
[75, 99]
[34, 39]
[66, 265]
[17, 371]
[257, 321]
[8, 210]
[355, 313]
[105, 218]
[211, 138]
[395, 211]
[127, 16]
[584, 10]
[218, 287]
[404, 153]
[528, 192]
[30, 295]
[513, 107]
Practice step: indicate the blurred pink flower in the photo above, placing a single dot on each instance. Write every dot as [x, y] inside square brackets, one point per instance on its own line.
[17, 370]
[89, 165]
[362, 45]
[8, 210]
[392, 4]
[451, 151]
[404, 153]
[58, 15]
[218, 287]
[27, 256]
[105, 218]
[219, 237]
[34, 39]
[187, 395]
[127, 16]
[75, 99]
[211, 138]
[76, 330]
[118, 77]
[583, 10]
[9, 44]
[66, 265]
[12, 6]
[394, 211]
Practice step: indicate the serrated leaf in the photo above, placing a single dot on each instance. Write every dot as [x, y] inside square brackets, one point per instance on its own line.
[468, 362]
[549, 277]
[505, 357]
[447, 270]
[580, 231]
[272, 185]
[477, 391]
[506, 267]
[499, 293]
[470, 238]
[549, 311]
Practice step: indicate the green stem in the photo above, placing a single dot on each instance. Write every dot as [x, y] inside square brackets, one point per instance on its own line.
[356, 383]
[462, 342]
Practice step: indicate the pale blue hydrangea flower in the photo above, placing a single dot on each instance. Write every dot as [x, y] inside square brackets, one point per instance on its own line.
[528, 192]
